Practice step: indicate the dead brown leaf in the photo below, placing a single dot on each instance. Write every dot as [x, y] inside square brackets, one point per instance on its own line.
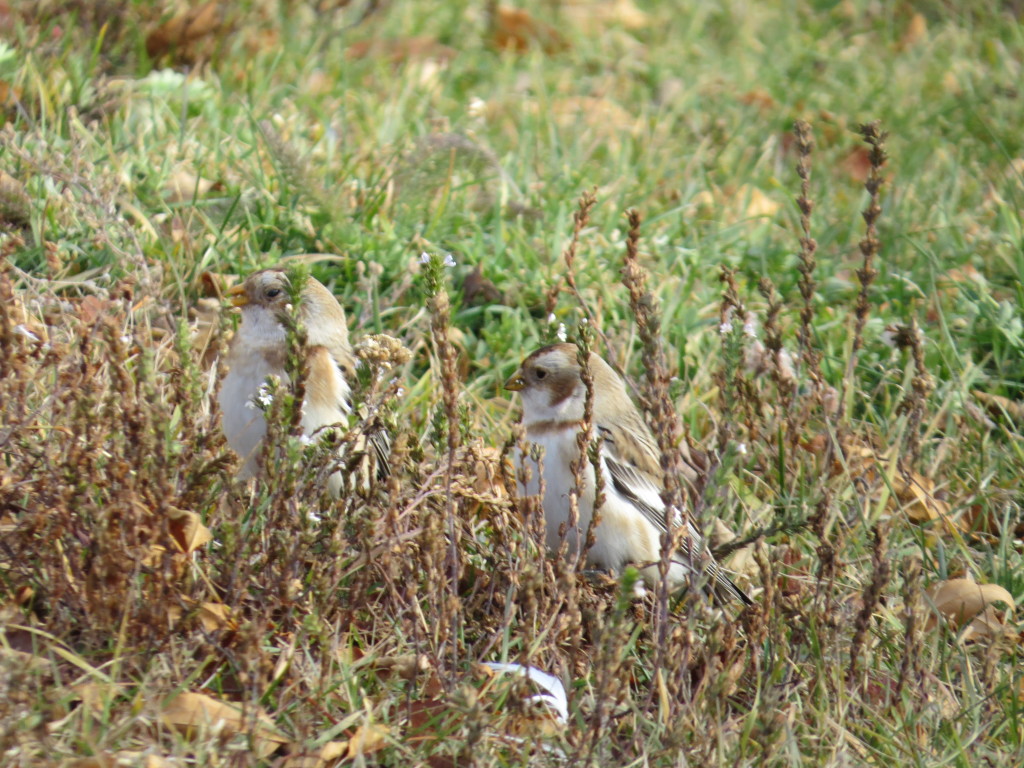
[367, 739]
[187, 530]
[184, 30]
[857, 163]
[91, 308]
[965, 603]
[516, 30]
[189, 712]
[916, 495]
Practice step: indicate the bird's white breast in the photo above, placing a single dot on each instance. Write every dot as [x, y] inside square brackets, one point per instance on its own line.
[622, 534]
[244, 425]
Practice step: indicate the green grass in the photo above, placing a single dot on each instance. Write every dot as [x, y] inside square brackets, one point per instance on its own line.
[110, 426]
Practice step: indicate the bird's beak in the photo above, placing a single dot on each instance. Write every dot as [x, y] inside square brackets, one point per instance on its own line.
[238, 296]
[516, 382]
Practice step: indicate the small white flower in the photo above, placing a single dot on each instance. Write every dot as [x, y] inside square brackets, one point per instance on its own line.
[424, 258]
[264, 396]
[562, 335]
[449, 261]
[725, 328]
[551, 319]
[399, 392]
[750, 329]
[313, 517]
[742, 448]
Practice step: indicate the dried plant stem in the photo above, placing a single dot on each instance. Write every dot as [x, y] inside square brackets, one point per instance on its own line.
[880, 571]
[921, 385]
[666, 427]
[869, 247]
[440, 321]
[808, 247]
[911, 661]
[588, 447]
[580, 220]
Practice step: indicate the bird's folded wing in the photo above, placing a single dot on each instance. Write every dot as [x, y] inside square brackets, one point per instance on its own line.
[644, 493]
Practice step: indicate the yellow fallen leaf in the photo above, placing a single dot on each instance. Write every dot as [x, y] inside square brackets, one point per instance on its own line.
[965, 602]
[190, 712]
[367, 739]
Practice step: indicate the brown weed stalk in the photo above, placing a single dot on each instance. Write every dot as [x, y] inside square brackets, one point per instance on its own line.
[440, 321]
[869, 248]
[808, 247]
[880, 572]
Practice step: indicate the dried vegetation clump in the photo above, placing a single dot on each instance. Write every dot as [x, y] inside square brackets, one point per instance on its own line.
[153, 606]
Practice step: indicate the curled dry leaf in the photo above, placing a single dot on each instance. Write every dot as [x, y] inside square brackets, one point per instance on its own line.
[187, 530]
[965, 603]
[193, 713]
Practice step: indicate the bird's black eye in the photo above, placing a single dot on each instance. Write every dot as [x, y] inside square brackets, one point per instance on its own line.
[273, 293]
[540, 373]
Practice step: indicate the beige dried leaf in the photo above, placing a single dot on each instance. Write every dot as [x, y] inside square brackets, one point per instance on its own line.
[965, 602]
[183, 186]
[367, 739]
[916, 496]
[187, 530]
[190, 712]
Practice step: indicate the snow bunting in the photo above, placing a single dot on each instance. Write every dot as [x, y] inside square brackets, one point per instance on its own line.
[259, 350]
[632, 517]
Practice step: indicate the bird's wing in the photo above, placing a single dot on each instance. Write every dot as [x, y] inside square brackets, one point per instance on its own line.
[640, 488]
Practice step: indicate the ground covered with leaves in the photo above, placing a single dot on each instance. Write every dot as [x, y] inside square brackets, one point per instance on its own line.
[805, 217]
